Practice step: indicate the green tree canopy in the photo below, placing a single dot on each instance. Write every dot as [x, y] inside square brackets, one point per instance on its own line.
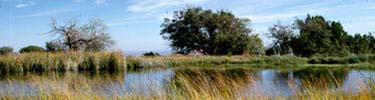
[31, 48]
[151, 54]
[283, 36]
[208, 32]
[54, 46]
[319, 36]
[361, 44]
[5, 50]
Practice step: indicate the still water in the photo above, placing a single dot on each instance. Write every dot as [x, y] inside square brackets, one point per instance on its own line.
[151, 82]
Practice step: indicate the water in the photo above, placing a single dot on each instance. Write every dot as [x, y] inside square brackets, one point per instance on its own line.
[151, 82]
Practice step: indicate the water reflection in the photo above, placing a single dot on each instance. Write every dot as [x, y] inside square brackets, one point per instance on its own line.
[154, 82]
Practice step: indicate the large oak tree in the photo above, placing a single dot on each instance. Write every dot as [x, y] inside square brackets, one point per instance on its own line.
[208, 32]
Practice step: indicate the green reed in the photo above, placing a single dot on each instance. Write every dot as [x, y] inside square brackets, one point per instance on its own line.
[257, 61]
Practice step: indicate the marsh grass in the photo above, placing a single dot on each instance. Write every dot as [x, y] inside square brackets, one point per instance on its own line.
[250, 61]
[194, 85]
[62, 61]
[210, 61]
[351, 59]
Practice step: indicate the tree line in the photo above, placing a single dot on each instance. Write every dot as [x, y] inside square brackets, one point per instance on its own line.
[315, 35]
[222, 33]
[197, 30]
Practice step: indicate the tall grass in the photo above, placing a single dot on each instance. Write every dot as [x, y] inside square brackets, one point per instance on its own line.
[257, 61]
[351, 59]
[61, 61]
[195, 85]
[210, 61]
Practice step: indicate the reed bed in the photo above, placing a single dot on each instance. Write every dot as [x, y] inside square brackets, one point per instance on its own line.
[62, 61]
[253, 61]
[210, 61]
[351, 59]
[193, 86]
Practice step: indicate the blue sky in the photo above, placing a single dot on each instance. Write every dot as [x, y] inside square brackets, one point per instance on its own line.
[135, 24]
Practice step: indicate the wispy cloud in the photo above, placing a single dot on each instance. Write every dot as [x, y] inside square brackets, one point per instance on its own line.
[370, 6]
[274, 17]
[150, 5]
[100, 1]
[135, 18]
[51, 12]
[48, 13]
[23, 5]
[93, 1]
[151, 11]
[286, 12]
[78, 1]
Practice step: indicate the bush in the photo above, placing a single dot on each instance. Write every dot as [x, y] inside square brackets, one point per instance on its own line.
[352, 60]
[54, 47]
[31, 48]
[5, 50]
[314, 60]
[152, 54]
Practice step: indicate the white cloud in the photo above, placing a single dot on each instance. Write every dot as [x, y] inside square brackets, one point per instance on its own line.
[134, 19]
[149, 5]
[78, 1]
[100, 1]
[93, 1]
[290, 12]
[274, 17]
[23, 5]
[370, 7]
[151, 11]
[47, 13]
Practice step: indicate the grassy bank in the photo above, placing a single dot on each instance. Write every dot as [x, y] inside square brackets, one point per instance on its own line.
[61, 61]
[257, 61]
[114, 61]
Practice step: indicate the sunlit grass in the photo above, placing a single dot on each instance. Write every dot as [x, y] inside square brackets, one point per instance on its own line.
[62, 61]
[250, 61]
[209, 61]
[191, 85]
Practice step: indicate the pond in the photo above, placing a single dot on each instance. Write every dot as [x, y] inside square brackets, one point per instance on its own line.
[156, 82]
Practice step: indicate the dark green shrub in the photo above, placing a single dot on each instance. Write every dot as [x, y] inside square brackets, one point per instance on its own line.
[314, 60]
[151, 54]
[88, 63]
[5, 50]
[31, 48]
[353, 60]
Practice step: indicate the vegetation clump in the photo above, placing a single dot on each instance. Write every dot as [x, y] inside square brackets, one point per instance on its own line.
[151, 54]
[61, 61]
[31, 48]
[6, 50]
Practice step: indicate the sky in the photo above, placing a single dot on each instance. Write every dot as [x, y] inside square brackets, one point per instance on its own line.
[135, 24]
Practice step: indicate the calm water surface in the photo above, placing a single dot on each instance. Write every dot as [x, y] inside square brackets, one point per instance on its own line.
[269, 82]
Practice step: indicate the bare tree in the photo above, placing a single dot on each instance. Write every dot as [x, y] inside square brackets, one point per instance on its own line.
[283, 35]
[92, 36]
